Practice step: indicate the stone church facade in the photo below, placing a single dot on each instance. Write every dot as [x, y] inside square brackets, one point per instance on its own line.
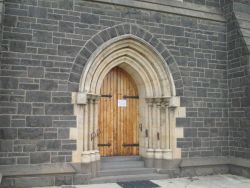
[188, 59]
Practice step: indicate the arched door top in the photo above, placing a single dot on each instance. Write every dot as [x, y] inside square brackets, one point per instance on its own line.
[140, 44]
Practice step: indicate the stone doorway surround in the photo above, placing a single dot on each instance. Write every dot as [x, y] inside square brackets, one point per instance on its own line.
[158, 104]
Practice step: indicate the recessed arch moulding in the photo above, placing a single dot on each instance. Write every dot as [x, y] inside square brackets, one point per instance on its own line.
[158, 104]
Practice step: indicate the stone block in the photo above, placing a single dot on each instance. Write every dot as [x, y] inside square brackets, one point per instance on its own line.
[189, 22]
[24, 108]
[39, 121]
[174, 101]
[17, 46]
[6, 145]
[201, 92]
[187, 52]
[29, 86]
[17, 36]
[42, 36]
[49, 145]
[89, 18]
[183, 122]
[23, 160]
[81, 179]
[8, 133]
[221, 55]
[8, 83]
[18, 123]
[63, 180]
[37, 12]
[63, 133]
[50, 85]
[205, 44]
[59, 109]
[36, 72]
[67, 27]
[5, 121]
[64, 123]
[7, 161]
[181, 41]
[173, 30]
[30, 133]
[39, 157]
[65, 4]
[38, 96]
[80, 98]
[42, 181]
[29, 148]
[9, 21]
[71, 51]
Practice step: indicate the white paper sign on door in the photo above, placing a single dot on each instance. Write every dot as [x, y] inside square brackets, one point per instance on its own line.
[122, 103]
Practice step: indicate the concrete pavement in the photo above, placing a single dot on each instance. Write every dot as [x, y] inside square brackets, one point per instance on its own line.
[214, 181]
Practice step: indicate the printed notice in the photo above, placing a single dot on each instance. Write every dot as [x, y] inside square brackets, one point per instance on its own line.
[122, 103]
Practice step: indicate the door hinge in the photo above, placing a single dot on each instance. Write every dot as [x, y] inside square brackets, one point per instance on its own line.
[130, 145]
[106, 96]
[104, 145]
[130, 97]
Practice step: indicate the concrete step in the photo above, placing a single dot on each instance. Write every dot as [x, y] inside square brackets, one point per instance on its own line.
[126, 171]
[122, 164]
[124, 178]
[121, 158]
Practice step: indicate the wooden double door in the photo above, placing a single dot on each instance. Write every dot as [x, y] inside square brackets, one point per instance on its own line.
[118, 115]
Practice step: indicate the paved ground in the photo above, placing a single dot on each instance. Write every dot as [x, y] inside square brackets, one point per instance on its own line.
[216, 181]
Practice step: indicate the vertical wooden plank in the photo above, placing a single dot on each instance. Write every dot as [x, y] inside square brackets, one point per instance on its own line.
[119, 125]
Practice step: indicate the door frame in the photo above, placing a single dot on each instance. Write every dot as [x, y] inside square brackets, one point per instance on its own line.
[156, 90]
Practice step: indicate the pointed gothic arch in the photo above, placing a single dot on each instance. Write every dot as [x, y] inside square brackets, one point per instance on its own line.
[155, 72]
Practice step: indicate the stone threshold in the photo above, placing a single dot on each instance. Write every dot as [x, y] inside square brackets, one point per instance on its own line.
[68, 168]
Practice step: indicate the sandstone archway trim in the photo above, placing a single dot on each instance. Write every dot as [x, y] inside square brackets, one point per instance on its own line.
[159, 104]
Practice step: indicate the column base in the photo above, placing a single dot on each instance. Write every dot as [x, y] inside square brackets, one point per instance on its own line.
[150, 153]
[86, 157]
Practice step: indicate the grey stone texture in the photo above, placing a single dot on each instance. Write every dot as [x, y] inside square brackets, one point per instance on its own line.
[46, 45]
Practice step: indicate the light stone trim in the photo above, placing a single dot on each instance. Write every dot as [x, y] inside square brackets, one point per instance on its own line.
[158, 104]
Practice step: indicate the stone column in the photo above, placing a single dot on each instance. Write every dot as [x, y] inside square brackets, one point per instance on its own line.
[146, 124]
[96, 111]
[158, 123]
[150, 151]
[86, 158]
[163, 124]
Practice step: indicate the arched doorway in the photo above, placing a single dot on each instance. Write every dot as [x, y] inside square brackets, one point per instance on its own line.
[158, 104]
[118, 121]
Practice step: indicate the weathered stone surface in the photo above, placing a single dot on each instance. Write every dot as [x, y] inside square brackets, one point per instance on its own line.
[38, 96]
[63, 180]
[49, 145]
[36, 72]
[18, 46]
[8, 83]
[71, 51]
[39, 157]
[8, 133]
[59, 109]
[50, 85]
[39, 121]
[67, 27]
[42, 36]
[37, 12]
[89, 18]
[24, 108]
[5, 121]
[6, 145]
[30, 133]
